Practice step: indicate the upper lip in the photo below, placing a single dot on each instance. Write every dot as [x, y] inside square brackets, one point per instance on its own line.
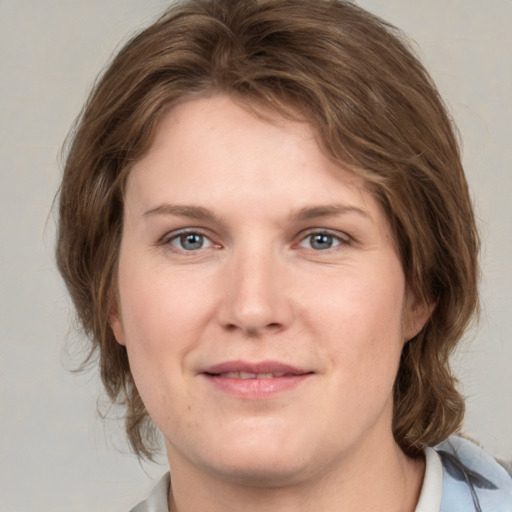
[274, 367]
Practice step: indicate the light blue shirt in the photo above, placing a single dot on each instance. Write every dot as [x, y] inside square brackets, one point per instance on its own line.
[472, 479]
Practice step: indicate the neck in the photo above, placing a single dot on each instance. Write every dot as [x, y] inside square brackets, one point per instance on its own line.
[371, 478]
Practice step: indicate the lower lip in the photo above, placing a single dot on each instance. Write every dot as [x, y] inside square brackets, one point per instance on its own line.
[256, 389]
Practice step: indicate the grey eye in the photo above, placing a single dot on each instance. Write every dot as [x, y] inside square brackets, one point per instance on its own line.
[321, 241]
[189, 241]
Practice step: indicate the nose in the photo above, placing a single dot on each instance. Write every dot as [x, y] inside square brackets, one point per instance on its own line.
[255, 300]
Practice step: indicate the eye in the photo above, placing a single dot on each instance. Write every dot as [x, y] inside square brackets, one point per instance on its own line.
[321, 241]
[190, 241]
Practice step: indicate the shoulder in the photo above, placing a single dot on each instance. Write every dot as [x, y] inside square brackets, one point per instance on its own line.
[472, 479]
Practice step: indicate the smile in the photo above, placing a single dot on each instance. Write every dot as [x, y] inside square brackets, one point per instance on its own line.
[249, 375]
[255, 381]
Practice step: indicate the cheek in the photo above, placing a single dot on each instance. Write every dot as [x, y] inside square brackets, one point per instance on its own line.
[164, 313]
[361, 304]
[155, 323]
[361, 315]
[160, 306]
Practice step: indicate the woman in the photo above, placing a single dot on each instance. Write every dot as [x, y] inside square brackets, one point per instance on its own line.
[267, 233]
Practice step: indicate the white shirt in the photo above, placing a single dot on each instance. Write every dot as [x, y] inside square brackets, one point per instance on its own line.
[432, 489]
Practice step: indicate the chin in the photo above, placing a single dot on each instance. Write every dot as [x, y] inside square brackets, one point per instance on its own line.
[271, 472]
[269, 461]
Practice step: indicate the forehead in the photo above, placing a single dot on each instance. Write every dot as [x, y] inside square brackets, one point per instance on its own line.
[217, 143]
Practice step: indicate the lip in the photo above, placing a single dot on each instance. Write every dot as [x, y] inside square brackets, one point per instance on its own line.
[275, 378]
[254, 367]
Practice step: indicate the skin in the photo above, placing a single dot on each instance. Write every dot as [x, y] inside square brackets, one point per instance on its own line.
[292, 261]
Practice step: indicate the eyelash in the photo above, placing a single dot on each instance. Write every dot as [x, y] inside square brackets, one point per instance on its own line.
[341, 240]
[177, 236]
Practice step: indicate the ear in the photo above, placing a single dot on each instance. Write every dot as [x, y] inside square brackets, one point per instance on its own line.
[116, 324]
[417, 312]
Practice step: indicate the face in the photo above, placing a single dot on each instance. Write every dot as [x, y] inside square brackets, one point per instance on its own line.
[261, 298]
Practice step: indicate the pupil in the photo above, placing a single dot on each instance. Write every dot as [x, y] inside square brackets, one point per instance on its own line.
[321, 241]
[191, 241]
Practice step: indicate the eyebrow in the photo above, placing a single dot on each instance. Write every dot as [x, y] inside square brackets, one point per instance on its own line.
[192, 212]
[312, 212]
[306, 213]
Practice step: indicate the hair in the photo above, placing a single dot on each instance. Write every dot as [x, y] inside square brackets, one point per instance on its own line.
[377, 112]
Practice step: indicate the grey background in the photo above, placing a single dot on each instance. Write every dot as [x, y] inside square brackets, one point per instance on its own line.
[56, 455]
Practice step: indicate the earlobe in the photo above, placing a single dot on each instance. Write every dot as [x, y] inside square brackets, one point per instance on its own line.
[116, 325]
[417, 313]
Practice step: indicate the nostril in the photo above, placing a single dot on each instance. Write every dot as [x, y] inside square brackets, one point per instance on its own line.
[254, 332]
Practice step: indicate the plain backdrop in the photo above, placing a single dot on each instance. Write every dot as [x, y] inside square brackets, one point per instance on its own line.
[56, 454]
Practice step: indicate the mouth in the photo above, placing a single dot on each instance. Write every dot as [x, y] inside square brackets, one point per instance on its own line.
[249, 375]
[260, 380]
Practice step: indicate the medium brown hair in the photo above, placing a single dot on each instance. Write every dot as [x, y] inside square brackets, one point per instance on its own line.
[377, 112]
